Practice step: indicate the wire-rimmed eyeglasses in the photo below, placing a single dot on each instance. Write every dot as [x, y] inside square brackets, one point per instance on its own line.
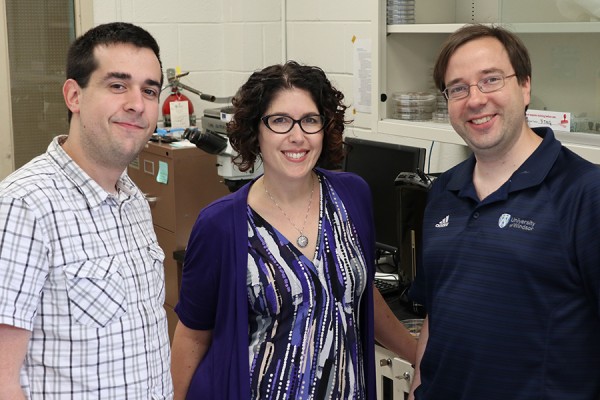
[488, 84]
[284, 123]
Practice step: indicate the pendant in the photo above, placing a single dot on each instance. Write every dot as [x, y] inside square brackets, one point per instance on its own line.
[302, 241]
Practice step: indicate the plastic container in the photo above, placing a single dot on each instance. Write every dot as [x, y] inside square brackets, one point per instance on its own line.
[413, 325]
[413, 106]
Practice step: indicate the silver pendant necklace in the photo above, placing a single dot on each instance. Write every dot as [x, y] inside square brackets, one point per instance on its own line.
[302, 240]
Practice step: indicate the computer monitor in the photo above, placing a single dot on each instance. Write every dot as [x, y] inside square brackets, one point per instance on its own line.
[379, 164]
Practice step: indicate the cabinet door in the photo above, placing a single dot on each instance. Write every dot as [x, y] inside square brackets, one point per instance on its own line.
[160, 193]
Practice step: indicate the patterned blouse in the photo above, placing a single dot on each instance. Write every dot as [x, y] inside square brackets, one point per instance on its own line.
[303, 329]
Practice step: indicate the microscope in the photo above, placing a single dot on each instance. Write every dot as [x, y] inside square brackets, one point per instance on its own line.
[213, 137]
[214, 140]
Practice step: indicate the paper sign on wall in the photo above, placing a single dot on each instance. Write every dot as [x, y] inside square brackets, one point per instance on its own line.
[558, 121]
[362, 75]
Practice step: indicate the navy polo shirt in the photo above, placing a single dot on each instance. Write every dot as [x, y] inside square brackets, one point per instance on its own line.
[511, 284]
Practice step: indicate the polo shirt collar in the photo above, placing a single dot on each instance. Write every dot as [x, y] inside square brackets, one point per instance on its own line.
[531, 173]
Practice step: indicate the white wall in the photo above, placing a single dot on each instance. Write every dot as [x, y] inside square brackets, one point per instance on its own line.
[220, 42]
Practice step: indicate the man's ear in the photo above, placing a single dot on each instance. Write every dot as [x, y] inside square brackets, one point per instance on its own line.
[72, 95]
[526, 89]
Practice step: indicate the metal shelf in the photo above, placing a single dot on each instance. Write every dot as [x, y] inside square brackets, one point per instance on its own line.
[537, 27]
[586, 145]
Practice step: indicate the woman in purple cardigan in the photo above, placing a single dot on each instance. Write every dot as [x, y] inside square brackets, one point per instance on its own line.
[277, 297]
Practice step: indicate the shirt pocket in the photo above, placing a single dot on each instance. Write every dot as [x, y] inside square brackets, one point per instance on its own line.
[96, 291]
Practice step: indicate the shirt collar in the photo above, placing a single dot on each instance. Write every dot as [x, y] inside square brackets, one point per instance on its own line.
[531, 173]
[94, 194]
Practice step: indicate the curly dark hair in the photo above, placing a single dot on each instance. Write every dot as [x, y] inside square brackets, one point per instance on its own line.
[255, 96]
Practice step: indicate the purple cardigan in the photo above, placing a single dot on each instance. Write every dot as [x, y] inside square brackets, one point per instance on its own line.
[214, 296]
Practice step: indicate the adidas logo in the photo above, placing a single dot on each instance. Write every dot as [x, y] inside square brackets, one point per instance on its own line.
[443, 223]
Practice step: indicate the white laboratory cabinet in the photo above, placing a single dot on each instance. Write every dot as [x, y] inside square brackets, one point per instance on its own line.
[394, 375]
[563, 46]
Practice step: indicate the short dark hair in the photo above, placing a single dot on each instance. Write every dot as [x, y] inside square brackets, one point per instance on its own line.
[81, 62]
[517, 52]
[255, 96]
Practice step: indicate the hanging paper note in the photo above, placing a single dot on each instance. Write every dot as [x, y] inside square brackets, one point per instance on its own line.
[163, 172]
[180, 115]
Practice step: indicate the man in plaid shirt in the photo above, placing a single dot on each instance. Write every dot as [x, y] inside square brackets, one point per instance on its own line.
[81, 272]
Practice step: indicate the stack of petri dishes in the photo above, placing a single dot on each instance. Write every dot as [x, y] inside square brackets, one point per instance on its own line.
[441, 109]
[400, 12]
[414, 106]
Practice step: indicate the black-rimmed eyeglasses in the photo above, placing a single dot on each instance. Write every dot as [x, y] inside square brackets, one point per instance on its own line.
[284, 123]
[488, 84]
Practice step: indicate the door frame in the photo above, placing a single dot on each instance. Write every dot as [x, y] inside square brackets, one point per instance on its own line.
[84, 20]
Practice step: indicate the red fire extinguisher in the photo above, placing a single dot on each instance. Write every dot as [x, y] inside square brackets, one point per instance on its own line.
[176, 96]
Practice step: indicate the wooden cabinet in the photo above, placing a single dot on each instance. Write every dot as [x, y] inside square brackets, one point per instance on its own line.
[566, 72]
[178, 183]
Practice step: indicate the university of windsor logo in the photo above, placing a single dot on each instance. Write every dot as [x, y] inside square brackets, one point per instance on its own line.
[504, 220]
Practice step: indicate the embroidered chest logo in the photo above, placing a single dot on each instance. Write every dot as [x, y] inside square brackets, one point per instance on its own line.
[503, 220]
[507, 220]
[443, 223]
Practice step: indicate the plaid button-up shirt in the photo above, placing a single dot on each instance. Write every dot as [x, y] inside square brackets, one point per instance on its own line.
[82, 270]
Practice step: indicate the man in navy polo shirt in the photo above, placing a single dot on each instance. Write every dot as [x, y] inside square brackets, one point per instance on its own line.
[510, 271]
